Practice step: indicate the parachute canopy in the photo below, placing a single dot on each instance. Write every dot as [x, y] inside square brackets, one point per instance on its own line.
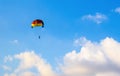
[36, 23]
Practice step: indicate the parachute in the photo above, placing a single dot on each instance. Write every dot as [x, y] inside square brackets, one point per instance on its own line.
[37, 23]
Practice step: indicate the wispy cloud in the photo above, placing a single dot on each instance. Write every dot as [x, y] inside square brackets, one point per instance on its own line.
[14, 41]
[117, 10]
[8, 58]
[6, 68]
[97, 18]
[93, 59]
[80, 41]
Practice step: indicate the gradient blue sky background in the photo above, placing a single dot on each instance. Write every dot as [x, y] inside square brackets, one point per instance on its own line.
[65, 21]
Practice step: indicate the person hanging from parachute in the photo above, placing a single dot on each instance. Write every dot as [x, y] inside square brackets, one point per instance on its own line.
[37, 23]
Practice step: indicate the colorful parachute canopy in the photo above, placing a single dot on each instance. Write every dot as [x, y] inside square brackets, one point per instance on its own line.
[37, 22]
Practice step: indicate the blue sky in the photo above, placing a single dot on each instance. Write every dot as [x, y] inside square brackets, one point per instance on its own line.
[65, 22]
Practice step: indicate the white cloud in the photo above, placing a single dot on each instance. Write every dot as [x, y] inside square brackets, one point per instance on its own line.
[8, 58]
[30, 60]
[9, 74]
[81, 41]
[117, 10]
[97, 18]
[93, 59]
[14, 41]
[27, 74]
[108, 74]
[111, 49]
[6, 68]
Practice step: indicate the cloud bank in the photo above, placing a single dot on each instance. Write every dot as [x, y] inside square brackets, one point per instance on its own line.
[93, 59]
